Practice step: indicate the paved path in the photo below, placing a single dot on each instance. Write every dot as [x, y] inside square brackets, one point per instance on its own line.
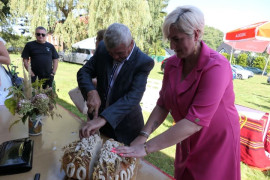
[151, 94]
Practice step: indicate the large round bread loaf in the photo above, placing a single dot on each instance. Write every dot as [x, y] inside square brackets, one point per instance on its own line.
[111, 166]
[80, 156]
[88, 159]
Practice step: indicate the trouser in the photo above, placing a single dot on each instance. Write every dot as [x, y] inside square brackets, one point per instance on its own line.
[48, 82]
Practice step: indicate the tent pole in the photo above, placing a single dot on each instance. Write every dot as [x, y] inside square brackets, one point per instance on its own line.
[266, 64]
[231, 56]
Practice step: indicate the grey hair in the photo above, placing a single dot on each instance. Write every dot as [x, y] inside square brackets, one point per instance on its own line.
[41, 28]
[186, 19]
[117, 34]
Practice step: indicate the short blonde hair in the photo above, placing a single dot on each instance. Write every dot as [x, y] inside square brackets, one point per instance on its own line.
[186, 19]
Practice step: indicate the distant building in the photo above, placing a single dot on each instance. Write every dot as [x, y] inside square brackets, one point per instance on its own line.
[225, 48]
[54, 40]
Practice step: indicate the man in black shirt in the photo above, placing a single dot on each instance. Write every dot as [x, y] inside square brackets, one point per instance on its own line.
[43, 57]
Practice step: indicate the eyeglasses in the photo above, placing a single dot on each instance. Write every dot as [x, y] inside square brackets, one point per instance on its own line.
[38, 34]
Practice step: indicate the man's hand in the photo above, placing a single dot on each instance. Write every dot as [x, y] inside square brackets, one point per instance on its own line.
[93, 102]
[92, 126]
[26, 65]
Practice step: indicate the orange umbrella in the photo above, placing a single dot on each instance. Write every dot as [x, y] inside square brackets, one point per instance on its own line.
[260, 31]
[254, 37]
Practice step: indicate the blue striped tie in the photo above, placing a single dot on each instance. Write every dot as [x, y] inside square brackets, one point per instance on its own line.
[115, 66]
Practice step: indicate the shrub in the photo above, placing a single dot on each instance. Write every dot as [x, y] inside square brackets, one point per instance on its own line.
[228, 56]
[259, 62]
[242, 59]
[15, 43]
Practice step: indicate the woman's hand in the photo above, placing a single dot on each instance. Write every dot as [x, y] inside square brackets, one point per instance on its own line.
[132, 151]
[138, 140]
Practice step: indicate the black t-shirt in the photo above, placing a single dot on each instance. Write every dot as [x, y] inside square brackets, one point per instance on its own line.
[41, 57]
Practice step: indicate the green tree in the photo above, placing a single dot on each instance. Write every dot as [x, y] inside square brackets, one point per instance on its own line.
[61, 17]
[74, 20]
[259, 62]
[154, 44]
[133, 13]
[4, 15]
[250, 58]
[212, 37]
[15, 41]
[228, 56]
[4, 10]
[242, 59]
[36, 14]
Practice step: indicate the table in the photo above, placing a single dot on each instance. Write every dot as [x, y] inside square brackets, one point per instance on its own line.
[19, 130]
[56, 133]
[254, 134]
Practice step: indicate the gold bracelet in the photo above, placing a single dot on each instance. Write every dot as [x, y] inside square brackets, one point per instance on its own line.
[145, 148]
[145, 134]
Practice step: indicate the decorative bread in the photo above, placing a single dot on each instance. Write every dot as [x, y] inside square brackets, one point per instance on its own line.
[88, 159]
[80, 156]
[111, 166]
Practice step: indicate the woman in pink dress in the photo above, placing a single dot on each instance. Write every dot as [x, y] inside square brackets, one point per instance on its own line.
[198, 91]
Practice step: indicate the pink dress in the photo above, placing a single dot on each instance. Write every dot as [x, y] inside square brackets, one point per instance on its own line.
[206, 98]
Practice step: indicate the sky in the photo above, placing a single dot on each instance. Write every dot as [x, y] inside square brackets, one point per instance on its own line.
[228, 15]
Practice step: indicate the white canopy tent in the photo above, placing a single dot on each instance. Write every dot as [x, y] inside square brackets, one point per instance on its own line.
[88, 43]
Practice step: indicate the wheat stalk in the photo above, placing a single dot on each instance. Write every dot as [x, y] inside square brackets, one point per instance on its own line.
[27, 81]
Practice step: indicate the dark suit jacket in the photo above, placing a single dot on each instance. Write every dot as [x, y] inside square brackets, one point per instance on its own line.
[123, 115]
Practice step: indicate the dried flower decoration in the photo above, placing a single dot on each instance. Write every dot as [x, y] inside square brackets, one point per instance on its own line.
[30, 99]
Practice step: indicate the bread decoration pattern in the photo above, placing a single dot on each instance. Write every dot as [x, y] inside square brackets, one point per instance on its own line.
[80, 156]
[88, 159]
[111, 166]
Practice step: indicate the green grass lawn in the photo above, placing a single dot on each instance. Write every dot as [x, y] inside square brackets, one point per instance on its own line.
[253, 93]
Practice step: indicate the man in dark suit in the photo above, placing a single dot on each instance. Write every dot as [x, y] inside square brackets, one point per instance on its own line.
[121, 69]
